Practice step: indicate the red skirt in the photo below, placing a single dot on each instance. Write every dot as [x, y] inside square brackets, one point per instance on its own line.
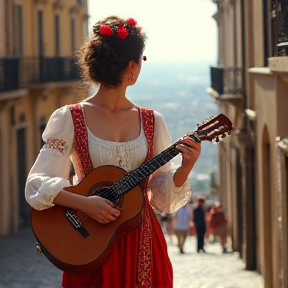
[120, 270]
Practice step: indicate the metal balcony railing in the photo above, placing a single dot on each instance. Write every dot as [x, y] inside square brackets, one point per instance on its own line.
[226, 80]
[9, 73]
[16, 73]
[217, 74]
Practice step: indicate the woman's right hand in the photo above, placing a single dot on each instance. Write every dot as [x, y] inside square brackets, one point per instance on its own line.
[99, 209]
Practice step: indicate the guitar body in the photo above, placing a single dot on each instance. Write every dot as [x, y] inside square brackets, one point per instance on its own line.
[79, 246]
[73, 250]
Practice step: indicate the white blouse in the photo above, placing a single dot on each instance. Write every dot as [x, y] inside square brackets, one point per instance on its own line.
[50, 172]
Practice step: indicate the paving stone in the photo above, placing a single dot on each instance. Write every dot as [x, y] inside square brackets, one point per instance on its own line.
[22, 267]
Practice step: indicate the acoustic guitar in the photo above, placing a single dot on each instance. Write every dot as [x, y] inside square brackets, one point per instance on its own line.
[75, 242]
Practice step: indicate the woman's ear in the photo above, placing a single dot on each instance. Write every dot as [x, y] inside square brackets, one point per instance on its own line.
[131, 66]
[131, 79]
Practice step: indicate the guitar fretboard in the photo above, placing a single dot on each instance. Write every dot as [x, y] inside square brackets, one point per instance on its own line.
[210, 129]
[130, 180]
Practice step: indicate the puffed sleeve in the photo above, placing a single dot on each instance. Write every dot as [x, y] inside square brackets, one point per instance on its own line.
[50, 172]
[165, 196]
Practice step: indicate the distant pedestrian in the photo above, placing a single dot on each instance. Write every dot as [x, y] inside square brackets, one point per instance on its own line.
[218, 224]
[200, 223]
[183, 219]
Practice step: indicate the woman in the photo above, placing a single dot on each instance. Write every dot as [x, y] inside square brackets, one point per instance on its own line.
[120, 133]
[218, 224]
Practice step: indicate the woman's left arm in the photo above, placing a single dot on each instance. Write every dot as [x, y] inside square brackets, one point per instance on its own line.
[170, 188]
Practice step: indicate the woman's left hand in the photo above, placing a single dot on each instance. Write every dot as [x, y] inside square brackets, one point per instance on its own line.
[190, 153]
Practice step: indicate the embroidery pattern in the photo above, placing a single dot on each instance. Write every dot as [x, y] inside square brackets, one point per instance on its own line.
[57, 144]
[145, 248]
[123, 157]
[81, 138]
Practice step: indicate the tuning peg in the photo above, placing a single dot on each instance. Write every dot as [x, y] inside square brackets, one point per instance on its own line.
[217, 139]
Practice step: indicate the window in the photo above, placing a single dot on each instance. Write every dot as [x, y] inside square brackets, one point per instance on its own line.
[282, 10]
[18, 29]
[40, 33]
[266, 30]
[57, 35]
[73, 40]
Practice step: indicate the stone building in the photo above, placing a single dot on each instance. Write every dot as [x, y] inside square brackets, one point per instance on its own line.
[250, 84]
[38, 39]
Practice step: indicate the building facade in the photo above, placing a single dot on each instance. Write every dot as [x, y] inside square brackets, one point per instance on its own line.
[38, 74]
[250, 84]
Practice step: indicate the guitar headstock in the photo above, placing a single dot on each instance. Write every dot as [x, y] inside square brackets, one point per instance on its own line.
[214, 128]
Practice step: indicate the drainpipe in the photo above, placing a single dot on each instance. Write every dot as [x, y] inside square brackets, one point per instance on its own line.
[235, 36]
[245, 120]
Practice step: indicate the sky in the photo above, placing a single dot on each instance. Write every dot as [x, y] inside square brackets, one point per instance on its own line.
[178, 30]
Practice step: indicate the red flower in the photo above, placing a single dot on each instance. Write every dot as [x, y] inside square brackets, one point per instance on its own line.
[122, 32]
[131, 22]
[105, 30]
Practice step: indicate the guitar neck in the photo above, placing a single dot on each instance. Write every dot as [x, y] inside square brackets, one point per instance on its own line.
[211, 129]
[133, 178]
[154, 163]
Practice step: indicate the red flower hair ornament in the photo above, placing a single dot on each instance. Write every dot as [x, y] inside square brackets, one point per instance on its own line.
[121, 30]
[105, 30]
[131, 22]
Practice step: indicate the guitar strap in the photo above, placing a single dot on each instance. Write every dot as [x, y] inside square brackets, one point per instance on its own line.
[81, 145]
[81, 137]
[145, 245]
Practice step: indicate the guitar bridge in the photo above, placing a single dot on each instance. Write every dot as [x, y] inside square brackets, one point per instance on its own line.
[76, 223]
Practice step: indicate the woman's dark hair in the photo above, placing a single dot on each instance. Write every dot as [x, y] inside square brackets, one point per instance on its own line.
[107, 53]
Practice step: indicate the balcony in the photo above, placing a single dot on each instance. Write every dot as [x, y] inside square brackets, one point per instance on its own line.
[16, 73]
[9, 74]
[226, 80]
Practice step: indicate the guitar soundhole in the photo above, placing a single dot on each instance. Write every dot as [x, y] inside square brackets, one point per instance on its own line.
[101, 187]
[97, 188]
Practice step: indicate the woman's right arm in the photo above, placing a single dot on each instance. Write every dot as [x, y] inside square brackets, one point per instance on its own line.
[50, 173]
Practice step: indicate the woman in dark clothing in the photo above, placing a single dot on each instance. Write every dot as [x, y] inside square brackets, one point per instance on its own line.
[200, 224]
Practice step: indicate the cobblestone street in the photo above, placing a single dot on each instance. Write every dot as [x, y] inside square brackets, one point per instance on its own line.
[22, 267]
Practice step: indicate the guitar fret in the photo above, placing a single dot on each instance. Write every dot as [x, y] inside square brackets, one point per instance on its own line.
[153, 164]
[132, 181]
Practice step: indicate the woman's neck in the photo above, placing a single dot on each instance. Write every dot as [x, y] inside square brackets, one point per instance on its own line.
[113, 100]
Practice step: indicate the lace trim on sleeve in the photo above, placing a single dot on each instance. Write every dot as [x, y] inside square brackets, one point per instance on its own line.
[166, 196]
[57, 144]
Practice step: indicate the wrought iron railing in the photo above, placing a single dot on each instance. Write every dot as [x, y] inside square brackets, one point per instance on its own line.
[18, 73]
[279, 22]
[217, 74]
[9, 73]
[226, 80]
